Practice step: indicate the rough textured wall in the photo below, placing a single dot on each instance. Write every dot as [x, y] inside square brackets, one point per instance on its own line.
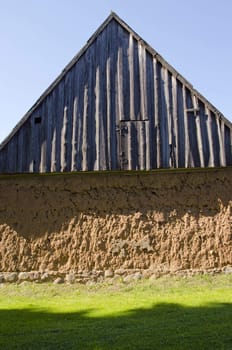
[163, 220]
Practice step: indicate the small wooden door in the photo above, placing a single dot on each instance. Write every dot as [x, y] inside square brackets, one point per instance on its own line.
[134, 145]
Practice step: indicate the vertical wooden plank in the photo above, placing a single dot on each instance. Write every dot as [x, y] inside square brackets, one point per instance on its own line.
[99, 105]
[79, 95]
[131, 72]
[142, 80]
[64, 141]
[169, 107]
[120, 74]
[180, 125]
[28, 145]
[74, 137]
[199, 133]
[6, 157]
[42, 168]
[85, 146]
[157, 124]
[172, 130]
[19, 151]
[137, 98]
[109, 127]
[33, 145]
[22, 151]
[69, 104]
[3, 159]
[90, 84]
[113, 101]
[168, 104]
[10, 156]
[59, 111]
[123, 75]
[147, 145]
[194, 156]
[186, 132]
[119, 85]
[215, 139]
[103, 100]
[108, 113]
[171, 121]
[124, 43]
[144, 86]
[227, 145]
[97, 117]
[43, 137]
[49, 126]
[163, 118]
[79, 138]
[15, 145]
[6, 149]
[129, 146]
[175, 122]
[37, 137]
[43, 146]
[53, 130]
[13, 158]
[223, 153]
[142, 145]
[150, 129]
[114, 113]
[53, 151]
[199, 141]
[210, 139]
[204, 131]
[220, 138]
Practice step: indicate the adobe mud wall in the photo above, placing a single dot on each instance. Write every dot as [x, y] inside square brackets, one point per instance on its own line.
[154, 221]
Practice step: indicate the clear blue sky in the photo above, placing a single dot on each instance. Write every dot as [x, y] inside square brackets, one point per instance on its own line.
[38, 38]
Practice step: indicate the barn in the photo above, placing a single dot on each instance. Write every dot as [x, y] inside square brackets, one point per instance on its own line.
[79, 206]
[118, 105]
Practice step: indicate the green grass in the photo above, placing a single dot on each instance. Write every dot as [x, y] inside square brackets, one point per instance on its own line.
[169, 313]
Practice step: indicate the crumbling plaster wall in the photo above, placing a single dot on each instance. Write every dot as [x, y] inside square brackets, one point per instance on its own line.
[162, 220]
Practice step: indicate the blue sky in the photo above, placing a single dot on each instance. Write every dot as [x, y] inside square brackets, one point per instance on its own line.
[38, 38]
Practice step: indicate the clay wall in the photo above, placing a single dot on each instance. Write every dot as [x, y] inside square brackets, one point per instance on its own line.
[168, 221]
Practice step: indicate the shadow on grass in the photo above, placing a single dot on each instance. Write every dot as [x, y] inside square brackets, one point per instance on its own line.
[164, 326]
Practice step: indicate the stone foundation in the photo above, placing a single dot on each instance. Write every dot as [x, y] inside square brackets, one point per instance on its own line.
[161, 221]
[85, 277]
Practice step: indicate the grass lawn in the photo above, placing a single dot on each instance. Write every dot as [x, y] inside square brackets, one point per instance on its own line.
[168, 313]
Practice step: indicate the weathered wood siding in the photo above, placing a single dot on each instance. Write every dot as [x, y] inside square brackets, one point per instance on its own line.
[119, 105]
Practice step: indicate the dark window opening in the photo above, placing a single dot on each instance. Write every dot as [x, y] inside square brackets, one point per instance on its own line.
[38, 120]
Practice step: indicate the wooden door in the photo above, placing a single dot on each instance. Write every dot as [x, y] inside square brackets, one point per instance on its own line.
[134, 145]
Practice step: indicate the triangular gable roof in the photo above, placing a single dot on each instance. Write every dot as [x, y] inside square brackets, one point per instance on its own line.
[154, 53]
